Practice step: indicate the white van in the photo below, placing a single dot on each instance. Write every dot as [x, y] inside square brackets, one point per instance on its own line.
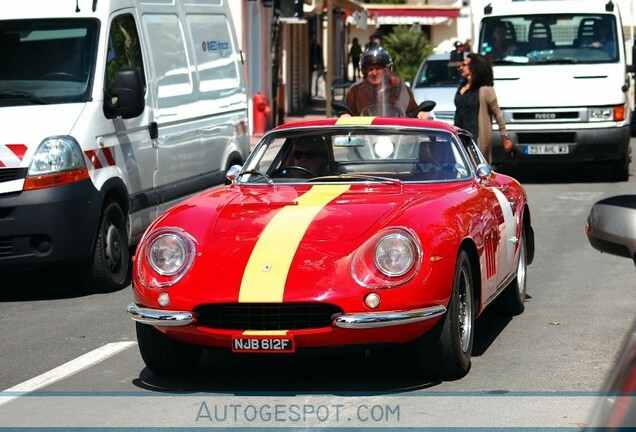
[111, 111]
[562, 87]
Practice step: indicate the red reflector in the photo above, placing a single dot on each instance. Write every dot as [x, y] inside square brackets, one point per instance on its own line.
[619, 113]
[58, 179]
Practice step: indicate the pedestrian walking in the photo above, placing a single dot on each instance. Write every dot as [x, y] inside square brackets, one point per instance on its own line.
[317, 64]
[476, 104]
[354, 57]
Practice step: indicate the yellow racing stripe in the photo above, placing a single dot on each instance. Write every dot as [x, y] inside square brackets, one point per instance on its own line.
[354, 120]
[265, 332]
[267, 268]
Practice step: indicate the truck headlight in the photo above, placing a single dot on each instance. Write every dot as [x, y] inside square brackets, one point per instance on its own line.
[56, 154]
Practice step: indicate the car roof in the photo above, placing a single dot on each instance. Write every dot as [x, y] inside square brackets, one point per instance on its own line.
[438, 56]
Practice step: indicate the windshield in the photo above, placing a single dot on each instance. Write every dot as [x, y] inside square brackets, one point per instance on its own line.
[46, 61]
[346, 154]
[437, 73]
[559, 39]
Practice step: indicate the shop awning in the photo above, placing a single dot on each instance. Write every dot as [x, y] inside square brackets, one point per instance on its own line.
[405, 14]
[345, 5]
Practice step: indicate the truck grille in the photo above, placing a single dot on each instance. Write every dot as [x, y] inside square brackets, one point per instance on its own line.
[6, 244]
[266, 316]
[8, 174]
[546, 138]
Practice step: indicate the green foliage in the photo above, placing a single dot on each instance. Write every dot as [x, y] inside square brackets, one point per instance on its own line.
[408, 47]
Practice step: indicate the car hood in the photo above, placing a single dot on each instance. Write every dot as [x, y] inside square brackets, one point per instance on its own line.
[444, 97]
[325, 212]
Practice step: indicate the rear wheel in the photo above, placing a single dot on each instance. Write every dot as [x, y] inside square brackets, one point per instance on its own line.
[108, 268]
[513, 299]
[162, 355]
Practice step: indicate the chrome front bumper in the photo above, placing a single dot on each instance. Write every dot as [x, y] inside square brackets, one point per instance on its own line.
[363, 320]
[160, 317]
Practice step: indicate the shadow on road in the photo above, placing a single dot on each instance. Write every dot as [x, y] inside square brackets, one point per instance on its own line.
[341, 374]
[559, 173]
[388, 370]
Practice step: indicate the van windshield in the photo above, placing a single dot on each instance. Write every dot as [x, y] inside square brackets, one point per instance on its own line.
[437, 73]
[46, 61]
[550, 38]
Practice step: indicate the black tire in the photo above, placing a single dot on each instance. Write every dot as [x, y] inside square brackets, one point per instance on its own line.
[448, 348]
[513, 299]
[108, 268]
[620, 169]
[162, 355]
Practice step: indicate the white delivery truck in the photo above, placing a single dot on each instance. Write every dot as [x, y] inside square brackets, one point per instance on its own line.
[110, 112]
[562, 86]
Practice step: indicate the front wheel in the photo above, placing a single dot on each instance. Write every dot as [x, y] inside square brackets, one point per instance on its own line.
[108, 268]
[162, 355]
[451, 344]
[620, 169]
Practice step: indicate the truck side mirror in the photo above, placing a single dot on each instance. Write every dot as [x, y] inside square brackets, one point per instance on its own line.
[126, 99]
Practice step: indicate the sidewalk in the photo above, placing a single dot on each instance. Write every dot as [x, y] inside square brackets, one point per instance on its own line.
[316, 109]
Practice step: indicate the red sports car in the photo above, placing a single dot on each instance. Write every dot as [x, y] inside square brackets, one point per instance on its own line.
[351, 232]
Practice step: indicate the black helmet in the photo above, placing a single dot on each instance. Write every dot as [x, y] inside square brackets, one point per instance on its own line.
[375, 55]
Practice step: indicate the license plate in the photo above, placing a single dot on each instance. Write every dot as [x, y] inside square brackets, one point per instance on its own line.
[263, 344]
[546, 149]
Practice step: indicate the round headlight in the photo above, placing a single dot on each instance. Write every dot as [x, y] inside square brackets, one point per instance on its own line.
[395, 255]
[168, 254]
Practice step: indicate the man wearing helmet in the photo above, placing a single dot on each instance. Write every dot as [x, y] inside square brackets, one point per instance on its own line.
[379, 87]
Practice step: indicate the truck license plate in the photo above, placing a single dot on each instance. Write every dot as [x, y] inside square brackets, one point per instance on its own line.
[546, 149]
[263, 344]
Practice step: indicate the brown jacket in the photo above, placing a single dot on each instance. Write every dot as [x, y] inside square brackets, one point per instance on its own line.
[488, 108]
[363, 95]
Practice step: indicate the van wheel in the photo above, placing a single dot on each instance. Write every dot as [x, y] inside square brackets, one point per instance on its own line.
[620, 168]
[108, 268]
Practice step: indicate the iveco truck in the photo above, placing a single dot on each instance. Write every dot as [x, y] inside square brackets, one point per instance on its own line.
[562, 81]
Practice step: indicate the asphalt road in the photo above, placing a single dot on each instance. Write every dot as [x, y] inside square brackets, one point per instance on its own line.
[70, 359]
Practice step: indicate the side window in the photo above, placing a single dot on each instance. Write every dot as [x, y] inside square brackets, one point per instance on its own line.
[473, 151]
[170, 61]
[124, 50]
[216, 55]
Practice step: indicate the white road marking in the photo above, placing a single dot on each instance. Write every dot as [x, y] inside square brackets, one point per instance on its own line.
[59, 373]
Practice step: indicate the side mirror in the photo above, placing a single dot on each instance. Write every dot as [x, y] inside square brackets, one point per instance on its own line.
[340, 107]
[611, 226]
[126, 99]
[233, 172]
[484, 171]
[427, 106]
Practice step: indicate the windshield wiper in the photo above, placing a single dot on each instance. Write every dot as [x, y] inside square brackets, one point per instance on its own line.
[13, 94]
[553, 61]
[257, 172]
[363, 177]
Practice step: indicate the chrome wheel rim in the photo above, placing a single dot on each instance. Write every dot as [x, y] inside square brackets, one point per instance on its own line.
[465, 310]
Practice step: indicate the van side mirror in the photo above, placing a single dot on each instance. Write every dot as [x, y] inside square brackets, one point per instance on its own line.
[126, 99]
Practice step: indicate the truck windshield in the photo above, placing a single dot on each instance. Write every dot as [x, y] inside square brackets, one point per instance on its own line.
[46, 61]
[549, 38]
